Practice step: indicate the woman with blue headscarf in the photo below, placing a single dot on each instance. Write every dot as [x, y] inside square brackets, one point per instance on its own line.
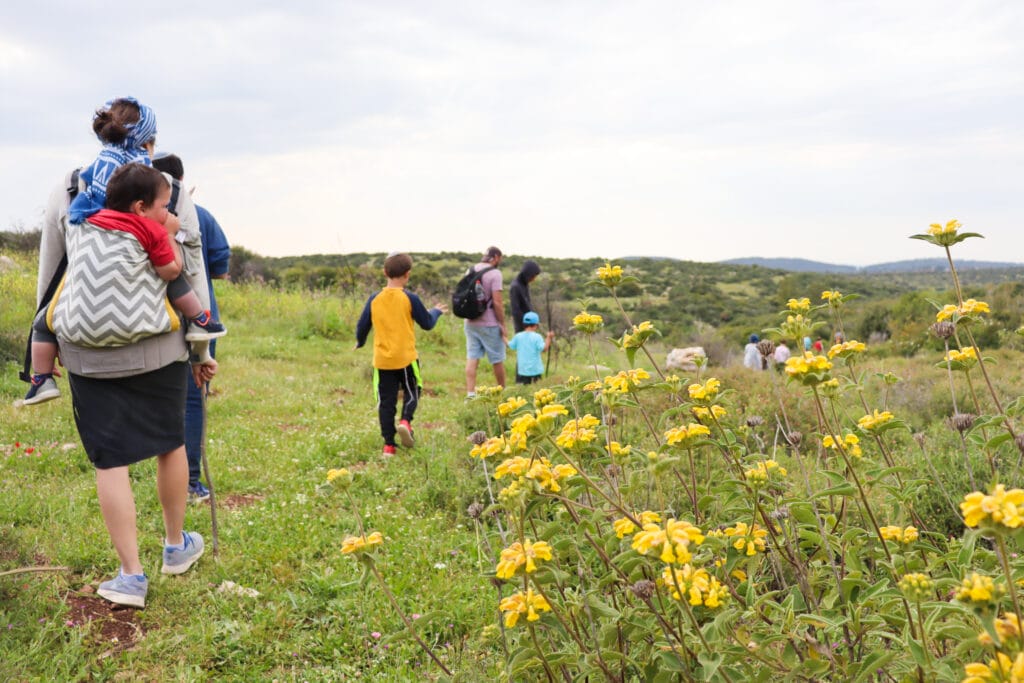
[127, 130]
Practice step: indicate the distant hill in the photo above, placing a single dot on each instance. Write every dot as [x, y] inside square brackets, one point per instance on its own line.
[796, 265]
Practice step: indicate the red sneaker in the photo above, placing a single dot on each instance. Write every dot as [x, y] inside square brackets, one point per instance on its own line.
[405, 434]
[389, 450]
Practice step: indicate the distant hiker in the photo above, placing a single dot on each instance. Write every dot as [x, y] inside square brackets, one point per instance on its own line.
[391, 313]
[127, 130]
[819, 346]
[217, 259]
[519, 293]
[128, 397]
[751, 355]
[781, 354]
[485, 335]
[807, 343]
[529, 346]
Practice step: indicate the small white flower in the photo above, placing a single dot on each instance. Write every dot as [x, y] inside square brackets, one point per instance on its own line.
[440, 565]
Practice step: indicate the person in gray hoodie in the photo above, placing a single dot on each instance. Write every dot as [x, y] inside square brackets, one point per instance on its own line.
[519, 293]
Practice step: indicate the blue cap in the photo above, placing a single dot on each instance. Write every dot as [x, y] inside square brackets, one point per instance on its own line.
[531, 318]
[754, 339]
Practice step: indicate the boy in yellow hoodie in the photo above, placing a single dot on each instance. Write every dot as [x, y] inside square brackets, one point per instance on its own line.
[391, 313]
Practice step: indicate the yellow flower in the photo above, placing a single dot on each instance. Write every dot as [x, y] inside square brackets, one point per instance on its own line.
[971, 307]
[808, 368]
[916, 586]
[832, 296]
[528, 603]
[1002, 669]
[706, 391]
[588, 323]
[685, 436]
[492, 446]
[850, 444]
[674, 540]
[847, 349]
[343, 474]
[617, 450]
[549, 412]
[578, 432]
[639, 334]
[511, 405]
[543, 397]
[524, 424]
[949, 228]
[875, 420]
[764, 471]
[977, 588]
[748, 541]
[900, 535]
[355, 544]
[623, 526]
[705, 413]
[801, 305]
[696, 584]
[999, 508]
[516, 466]
[522, 555]
[609, 275]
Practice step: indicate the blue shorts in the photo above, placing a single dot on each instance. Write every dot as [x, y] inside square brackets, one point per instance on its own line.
[482, 340]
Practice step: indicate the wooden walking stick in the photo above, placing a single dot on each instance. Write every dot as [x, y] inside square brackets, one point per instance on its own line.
[204, 355]
[547, 312]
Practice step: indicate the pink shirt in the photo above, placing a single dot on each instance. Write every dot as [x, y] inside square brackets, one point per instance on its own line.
[492, 282]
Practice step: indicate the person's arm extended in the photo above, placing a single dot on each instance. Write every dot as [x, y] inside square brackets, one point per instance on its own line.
[364, 324]
[424, 318]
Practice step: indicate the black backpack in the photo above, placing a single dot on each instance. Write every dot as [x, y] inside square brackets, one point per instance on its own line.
[470, 300]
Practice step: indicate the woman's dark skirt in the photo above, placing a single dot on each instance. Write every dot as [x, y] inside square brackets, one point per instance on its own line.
[125, 420]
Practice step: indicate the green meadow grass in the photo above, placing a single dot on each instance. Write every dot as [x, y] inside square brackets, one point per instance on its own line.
[292, 400]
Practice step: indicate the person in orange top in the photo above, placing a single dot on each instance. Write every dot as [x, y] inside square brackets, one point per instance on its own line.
[391, 313]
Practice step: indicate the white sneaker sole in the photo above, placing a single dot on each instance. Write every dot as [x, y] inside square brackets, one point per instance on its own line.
[182, 568]
[405, 436]
[42, 397]
[204, 336]
[122, 598]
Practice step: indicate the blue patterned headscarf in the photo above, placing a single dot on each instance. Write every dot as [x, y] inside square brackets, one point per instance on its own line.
[112, 157]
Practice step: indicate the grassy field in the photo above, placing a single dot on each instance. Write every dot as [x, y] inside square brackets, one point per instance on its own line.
[280, 601]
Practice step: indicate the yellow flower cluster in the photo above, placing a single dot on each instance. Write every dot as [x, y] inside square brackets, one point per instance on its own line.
[978, 588]
[493, 446]
[528, 603]
[998, 508]
[622, 383]
[511, 405]
[674, 540]
[700, 587]
[578, 432]
[617, 450]
[970, 307]
[355, 544]
[706, 391]
[588, 323]
[765, 471]
[748, 541]
[343, 474]
[609, 275]
[536, 469]
[801, 305]
[543, 397]
[898, 534]
[850, 443]
[522, 555]
[624, 526]
[847, 349]
[949, 228]
[805, 364]
[639, 334]
[966, 357]
[1006, 627]
[1002, 669]
[685, 436]
[916, 586]
[832, 296]
[875, 420]
[706, 413]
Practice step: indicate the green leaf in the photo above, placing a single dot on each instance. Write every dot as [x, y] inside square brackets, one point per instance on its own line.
[918, 653]
[963, 558]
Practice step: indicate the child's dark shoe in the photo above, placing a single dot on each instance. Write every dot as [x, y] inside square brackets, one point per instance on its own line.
[42, 389]
[203, 328]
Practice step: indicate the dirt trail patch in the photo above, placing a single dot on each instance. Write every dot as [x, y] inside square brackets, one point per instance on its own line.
[113, 625]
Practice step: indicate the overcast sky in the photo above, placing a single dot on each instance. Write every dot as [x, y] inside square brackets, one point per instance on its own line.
[826, 130]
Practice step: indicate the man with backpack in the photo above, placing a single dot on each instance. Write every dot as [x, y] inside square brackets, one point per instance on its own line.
[485, 333]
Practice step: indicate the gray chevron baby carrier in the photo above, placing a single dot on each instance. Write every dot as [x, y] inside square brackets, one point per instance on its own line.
[110, 295]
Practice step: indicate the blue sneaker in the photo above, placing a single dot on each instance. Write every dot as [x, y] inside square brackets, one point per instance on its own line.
[125, 590]
[197, 493]
[178, 560]
[203, 328]
[42, 388]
